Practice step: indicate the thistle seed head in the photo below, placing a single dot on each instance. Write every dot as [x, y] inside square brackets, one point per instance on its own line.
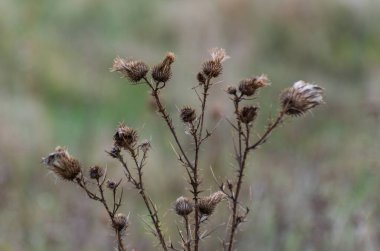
[247, 114]
[300, 98]
[120, 222]
[132, 69]
[96, 172]
[213, 68]
[188, 114]
[249, 86]
[207, 204]
[161, 73]
[183, 206]
[62, 164]
[125, 137]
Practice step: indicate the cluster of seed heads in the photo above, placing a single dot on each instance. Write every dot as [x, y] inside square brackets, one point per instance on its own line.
[206, 206]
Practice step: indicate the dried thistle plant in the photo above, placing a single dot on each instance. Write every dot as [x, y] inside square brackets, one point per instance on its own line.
[196, 208]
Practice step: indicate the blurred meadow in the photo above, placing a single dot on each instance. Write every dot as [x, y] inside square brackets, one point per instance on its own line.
[313, 186]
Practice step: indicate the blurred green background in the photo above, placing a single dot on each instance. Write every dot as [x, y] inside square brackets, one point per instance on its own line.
[313, 186]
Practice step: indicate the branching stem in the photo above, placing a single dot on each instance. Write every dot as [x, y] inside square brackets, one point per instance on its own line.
[101, 198]
[139, 184]
[241, 157]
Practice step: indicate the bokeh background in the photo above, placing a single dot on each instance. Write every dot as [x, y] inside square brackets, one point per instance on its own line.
[313, 186]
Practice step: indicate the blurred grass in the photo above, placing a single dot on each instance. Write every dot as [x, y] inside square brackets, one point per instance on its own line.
[55, 88]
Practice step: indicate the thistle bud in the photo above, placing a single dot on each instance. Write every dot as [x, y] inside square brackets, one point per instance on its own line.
[62, 164]
[125, 137]
[212, 68]
[162, 72]
[201, 78]
[300, 98]
[132, 69]
[96, 172]
[115, 152]
[230, 185]
[183, 206]
[247, 114]
[188, 114]
[120, 222]
[231, 90]
[206, 205]
[112, 185]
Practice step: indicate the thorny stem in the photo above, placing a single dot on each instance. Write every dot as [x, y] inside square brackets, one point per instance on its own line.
[267, 133]
[126, 168]
[103, 200]
[235, 196]
[168, 120]
[196, 182]
[139, 184]
[120, 241]
[205, 90]
[188, 236]
[197, 133]
[83, 184]
[237, 219]
[237, 100]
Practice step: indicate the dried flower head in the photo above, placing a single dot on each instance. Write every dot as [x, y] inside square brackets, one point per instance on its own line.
[249, 86]
[188, 114]
[96, 172]
[125, 137]
[212, 68]
[132, 69]
[62, 163]
[248, 113]
[231, 90]
[161, 73]
[207, 204]
[120, 222]
[112, 185]
[183, 206]
[301, 97]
